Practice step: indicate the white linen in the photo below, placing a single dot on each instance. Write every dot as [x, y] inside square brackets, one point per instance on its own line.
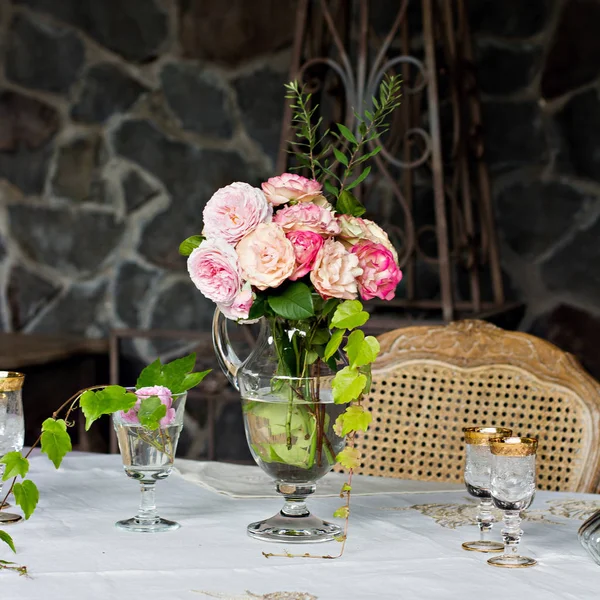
[74, 552]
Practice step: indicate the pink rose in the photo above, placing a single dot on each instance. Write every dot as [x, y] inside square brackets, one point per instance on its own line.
[286, 187]
[355, 229]
[214, 268]
[240, 307]
[306, 246]
[235, 210]
[335, 271]
[162, 393]
[266, 256]
[380, 274]
[307, 217]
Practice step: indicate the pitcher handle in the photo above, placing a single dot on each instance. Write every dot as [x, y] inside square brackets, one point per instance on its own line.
[228, 360]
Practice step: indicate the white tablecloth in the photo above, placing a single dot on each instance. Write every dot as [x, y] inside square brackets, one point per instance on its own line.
[73, 551]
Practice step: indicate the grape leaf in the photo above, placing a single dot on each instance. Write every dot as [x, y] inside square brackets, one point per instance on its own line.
[151, 411]
[111, 399]
[347, 385]
[334, 343]
[349, 457]
[346, 488]
[16, 464]
[361, 350]
[56, 442]
[26, 496]
[7, 540]
[349, 315]
[150, 375]
[295, 303]
[355, 418]
[190, 244]
[343, 512]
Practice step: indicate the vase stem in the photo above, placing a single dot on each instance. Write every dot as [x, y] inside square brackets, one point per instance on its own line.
[147, 510]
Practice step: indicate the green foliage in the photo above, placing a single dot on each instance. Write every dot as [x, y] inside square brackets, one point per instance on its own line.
[354, 418]
[176, 375]
[348, 384]
[334, 343]
[294, 304]
[26, 496]
[7, 540]
[106, 401]
[343, 512]
[349, 457]
[349, 204]
[190, 244]
[151, 411]
[361, 350]
[349, 315]
[15, 465]
[55, 440]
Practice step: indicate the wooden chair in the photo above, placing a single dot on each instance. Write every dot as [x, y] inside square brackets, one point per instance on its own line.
[430, 382]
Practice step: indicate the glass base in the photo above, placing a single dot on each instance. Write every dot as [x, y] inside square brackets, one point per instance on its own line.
[155, 526]
[512, 562]
[9, 518]
[5, 505]
[483, 546]
[294, 530]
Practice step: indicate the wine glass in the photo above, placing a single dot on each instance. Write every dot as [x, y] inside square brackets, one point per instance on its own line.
[148, 456]
[12, 427]
[477, 480]
[513, 489]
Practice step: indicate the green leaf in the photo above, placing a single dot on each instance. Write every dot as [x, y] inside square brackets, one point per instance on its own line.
[174, 373]
[151, 411]
[348, 204]
[311, 357]
[192, 380]
[26, 496]
[346, 488]
[355, 418]
[320, 336]
[329, 306]
[56, 442]
[334, 343]
[347, 385]
[111, 399]
[347, 134]
[190, 244]
[7, 540]
[340, 156]
[150, 375]
[295, 303]
[359, 179]
[349, 457]
[16, 465]
[331, 188]
[361, 350]
[258, 308]
[349, 315]
[343, 512]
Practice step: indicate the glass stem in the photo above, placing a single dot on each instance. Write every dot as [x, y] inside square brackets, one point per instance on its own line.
[485, 518]
[511, 532]
[147, 510]
[295, 498]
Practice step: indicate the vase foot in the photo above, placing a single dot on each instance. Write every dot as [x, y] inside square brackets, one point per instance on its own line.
[483, 546]
[294, 530]
[9, 518]
[155, 526]
[512, 562]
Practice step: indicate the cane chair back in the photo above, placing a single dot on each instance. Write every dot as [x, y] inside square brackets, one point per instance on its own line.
[430, 382]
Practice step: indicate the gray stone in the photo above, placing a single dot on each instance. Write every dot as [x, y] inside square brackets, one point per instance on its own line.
[137, 191]
[235, 31]
[261, 101]
[42, 56]
[579, 124]
[533, 215]
[132, 284]
[198, 99]
[513, 134]
[509, 18]
[573, 269]
[75, 312]
[27, 294]
[27, 129]
[68, 240]
[506, 69]
[191, 176]
[78, 168]
[575, 52]
[135, 29]
[106, 90]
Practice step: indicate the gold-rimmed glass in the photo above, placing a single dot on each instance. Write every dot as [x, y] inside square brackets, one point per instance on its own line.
[513, 489]
[12, 427]
[477, 480]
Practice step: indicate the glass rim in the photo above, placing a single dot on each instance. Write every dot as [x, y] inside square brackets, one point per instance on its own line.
[11, 381]
[481, 436]
[513, 446]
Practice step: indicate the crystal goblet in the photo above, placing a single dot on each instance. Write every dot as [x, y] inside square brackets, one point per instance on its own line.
[12, 427]
[513, 489]
[589, 536]
[477, 479]
[148, 456]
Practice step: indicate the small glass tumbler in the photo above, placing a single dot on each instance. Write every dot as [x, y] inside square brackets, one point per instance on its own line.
[12, 427]
[513, 489]
[477, 479]
[148, 456]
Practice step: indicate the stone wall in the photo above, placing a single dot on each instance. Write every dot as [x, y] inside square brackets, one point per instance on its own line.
[119, 118]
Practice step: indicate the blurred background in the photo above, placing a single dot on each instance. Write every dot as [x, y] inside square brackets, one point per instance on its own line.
[120, 118]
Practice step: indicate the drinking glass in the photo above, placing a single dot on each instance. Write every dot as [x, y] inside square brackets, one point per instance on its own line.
[12, 426]
[477, 480]
[589, 536]
[148, 456]
[513, 488]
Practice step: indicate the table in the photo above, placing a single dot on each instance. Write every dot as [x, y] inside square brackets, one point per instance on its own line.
[73, 551]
